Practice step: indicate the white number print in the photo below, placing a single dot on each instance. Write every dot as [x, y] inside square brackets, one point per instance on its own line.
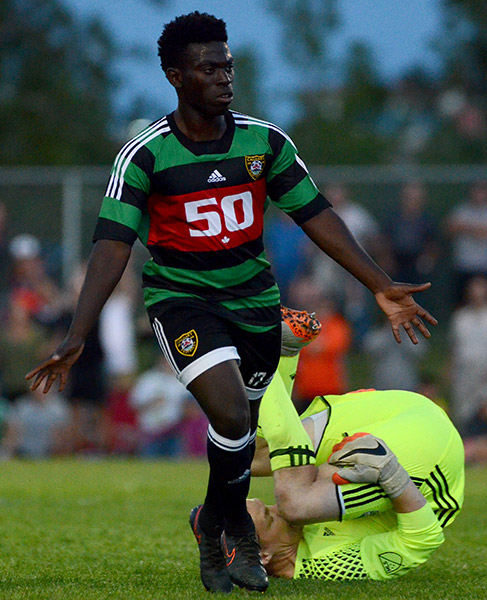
[213, 218]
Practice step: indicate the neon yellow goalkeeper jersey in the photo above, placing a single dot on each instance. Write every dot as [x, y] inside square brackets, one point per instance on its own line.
[371, 541]
[382, 546]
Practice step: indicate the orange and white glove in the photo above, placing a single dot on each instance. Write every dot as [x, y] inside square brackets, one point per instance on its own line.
[367, 459]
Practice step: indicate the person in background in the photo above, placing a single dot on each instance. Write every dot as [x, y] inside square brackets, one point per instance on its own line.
[353, 298]
[412, 235]
[288, 250]
[21, 342]
[30, 280]
[322, 367]
[37, 426]
[88, 385]
[117, 329]
[5, 258]
[468, 342]
[393, 366]
[467, 228]
[159, 403]
[475, 440]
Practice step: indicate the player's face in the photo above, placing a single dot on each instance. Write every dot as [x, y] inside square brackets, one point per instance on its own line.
[270, 527]
[204, 80]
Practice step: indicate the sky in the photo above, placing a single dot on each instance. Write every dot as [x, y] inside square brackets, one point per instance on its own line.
[400, 33]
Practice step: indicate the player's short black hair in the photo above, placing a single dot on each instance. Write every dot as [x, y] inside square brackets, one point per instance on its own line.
[193, 28]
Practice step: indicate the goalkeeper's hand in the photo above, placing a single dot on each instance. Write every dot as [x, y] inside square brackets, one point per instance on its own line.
[368, 459]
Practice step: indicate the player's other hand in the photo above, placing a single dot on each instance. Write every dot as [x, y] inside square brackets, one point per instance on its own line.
[367, 459]
[57, 366]
[400, 308]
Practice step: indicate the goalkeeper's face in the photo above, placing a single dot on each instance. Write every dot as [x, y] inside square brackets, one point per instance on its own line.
[275, 534]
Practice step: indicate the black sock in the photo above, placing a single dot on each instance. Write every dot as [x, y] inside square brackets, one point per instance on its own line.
[228, 486]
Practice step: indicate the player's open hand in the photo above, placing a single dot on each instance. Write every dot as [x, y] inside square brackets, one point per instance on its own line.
[401, 309]
[57, 366]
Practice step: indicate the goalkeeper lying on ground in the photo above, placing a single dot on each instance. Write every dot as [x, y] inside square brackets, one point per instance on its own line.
[408, 479]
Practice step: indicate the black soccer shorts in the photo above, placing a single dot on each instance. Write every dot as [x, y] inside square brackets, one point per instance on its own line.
[194, 340]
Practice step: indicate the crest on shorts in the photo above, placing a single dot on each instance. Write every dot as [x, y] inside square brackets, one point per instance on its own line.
[187, 344]
[255, 165]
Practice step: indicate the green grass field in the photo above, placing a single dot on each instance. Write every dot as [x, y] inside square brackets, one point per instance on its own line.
[77, 529]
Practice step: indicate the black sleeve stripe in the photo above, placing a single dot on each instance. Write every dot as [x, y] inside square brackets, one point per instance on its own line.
[284, 182]
[145, 160]
[134, 196]
[111, 230]
[276, 141]
[311, 209]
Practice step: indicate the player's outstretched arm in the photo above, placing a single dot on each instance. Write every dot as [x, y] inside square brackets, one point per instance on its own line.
[329, 232]
[106, 265]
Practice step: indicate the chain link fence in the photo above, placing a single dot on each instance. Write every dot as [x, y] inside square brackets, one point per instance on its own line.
[60, 205]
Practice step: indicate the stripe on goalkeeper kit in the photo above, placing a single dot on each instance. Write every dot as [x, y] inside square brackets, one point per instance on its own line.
[364, 494]
[298, 455]
[446, 505]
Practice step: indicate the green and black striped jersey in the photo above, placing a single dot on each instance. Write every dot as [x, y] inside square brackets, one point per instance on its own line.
[199, 206]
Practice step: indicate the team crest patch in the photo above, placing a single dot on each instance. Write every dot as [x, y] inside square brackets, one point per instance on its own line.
[187, 344]
[391, 561]
[255, 165]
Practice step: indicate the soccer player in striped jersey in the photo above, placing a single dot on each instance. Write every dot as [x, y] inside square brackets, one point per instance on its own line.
[378, 508]
[193, 187]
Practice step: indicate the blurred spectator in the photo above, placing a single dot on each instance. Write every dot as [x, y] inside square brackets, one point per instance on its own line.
[322, 366]
[412, 236]
[430, 386]
[394, 366]
[30, 281]
[287, 249]
[36, 426]
[476, 439]
[159, 402]
[87, 382]
[4, 406]
[467, 226]
[356, 300]
[4, 257]
[194, 430]
[117, 330]
[21, 346]
[469, 352]
[120, 422]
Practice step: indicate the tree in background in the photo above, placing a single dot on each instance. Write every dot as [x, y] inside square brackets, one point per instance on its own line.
[55, 85]
[337, 124]
[420, 117]
[462, 99]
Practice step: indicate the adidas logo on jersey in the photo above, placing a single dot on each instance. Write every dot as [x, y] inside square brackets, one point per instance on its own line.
[215, 177]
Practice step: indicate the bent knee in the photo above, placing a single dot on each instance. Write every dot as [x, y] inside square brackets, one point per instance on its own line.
[233, 425]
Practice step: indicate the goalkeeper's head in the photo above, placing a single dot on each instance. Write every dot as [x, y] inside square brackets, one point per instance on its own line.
[278, 539]
[193, 28]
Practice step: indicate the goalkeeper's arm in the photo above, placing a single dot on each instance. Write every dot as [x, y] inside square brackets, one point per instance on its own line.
[418, 534]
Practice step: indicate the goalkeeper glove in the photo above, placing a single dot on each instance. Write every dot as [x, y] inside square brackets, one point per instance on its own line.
[368, 459]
